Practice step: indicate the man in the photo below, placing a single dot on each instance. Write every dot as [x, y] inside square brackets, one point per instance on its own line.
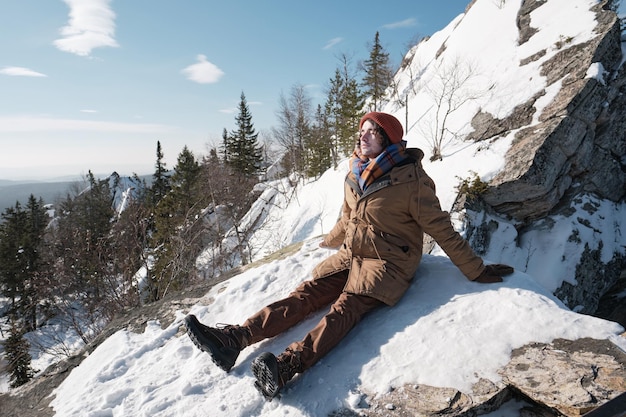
[389, 204]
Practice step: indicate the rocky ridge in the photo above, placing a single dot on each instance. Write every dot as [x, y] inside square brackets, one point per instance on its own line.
[576, 148]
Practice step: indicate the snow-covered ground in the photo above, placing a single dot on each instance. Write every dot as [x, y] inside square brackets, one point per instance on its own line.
[446, 331]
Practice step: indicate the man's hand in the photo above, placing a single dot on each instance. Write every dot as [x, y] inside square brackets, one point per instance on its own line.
[493, 273]
[326, 246]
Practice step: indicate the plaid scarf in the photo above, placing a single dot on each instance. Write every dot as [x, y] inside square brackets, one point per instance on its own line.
[367, 171]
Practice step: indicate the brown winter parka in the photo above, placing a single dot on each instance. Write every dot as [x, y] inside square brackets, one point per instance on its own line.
[380, 233]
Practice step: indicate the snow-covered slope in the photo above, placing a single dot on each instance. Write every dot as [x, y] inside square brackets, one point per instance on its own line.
[445, 332]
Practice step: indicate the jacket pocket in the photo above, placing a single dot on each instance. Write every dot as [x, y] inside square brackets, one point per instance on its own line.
[394, 241]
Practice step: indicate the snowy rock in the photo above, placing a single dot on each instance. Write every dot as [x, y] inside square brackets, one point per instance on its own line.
[422, 400]
[574, 146]
[564, 378]
[572, 377]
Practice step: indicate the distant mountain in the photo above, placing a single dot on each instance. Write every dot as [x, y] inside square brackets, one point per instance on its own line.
[49, 191]
[12, 191]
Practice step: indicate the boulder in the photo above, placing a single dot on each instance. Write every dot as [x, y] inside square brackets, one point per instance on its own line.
[563, 378]
[570, 377]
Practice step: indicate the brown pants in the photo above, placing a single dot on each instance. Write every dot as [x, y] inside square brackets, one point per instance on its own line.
[346, 311]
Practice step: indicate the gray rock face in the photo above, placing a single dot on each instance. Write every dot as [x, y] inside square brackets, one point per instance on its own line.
[594, 279]
[578, 146]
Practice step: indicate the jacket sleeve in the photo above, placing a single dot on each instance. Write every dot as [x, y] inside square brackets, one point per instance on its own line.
[437, 223]
[335, 237]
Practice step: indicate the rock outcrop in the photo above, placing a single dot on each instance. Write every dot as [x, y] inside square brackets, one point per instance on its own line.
[564, 378]
[578, 145]
[571, 156]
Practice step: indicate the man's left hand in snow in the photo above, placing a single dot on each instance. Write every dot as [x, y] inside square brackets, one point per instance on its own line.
[494, 273]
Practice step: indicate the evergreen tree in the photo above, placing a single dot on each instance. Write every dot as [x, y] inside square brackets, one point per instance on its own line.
[36, 222]
[225, 145]
[185, 176]
[344, 108]
[16, 350]
[13, 263]
[244, 153]
[158, 191]
[378, 73]
[160, 178]
[175, 240]
[81, 242]
[351, 111]
[318, 149]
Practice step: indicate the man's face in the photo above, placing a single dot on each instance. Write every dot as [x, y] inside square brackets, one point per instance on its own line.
[370, 140]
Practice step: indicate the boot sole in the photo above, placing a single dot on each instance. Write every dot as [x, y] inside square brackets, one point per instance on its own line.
[266, 378]
[206, 344]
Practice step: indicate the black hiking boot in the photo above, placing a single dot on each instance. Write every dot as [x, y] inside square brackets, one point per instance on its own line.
[222, 344]
[272, 373]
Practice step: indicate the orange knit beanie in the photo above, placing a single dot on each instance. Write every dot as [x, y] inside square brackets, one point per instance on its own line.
[391, 125]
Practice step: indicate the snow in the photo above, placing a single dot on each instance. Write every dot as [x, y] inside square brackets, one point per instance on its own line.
[597, 71]
[446, 331]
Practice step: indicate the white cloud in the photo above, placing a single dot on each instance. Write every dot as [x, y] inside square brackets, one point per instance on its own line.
[203, 72]
[401, 24]
[332, 42]
[47, 124]
[20, 71]
[91, 25]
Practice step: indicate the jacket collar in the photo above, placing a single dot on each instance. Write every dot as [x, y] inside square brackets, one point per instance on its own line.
[415, 157]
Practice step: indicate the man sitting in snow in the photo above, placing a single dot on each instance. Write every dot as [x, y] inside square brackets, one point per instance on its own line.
[389, 204]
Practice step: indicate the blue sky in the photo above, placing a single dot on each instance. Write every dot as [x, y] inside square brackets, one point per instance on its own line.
[93, 84]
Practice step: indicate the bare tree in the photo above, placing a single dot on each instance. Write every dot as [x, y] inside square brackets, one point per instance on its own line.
[450, 89]
[295, 121]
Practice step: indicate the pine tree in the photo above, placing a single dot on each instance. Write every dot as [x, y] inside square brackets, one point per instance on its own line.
[13, 263]
[82, 240]
[16, 350]
[344, 108]
[185, 174]
[378, 73]
[160, 179]
[319, 157]
[175, 240]
[36, 222]
[244, 153]
[225, 146]
[159, 218]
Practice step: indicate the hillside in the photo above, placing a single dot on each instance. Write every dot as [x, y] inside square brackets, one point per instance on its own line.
[446, 332]
[560, 229]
